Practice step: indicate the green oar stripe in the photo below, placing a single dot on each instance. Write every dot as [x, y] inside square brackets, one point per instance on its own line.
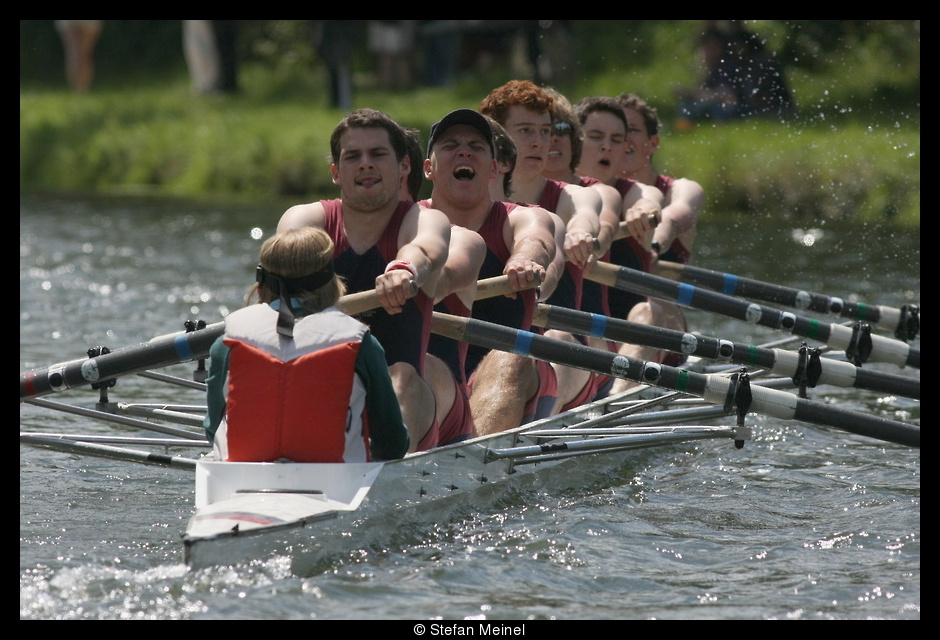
[817, 330]
[861, 311]
[753, 355]
[682, 381]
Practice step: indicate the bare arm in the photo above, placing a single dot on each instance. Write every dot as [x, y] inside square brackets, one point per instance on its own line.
[584, 223]
[303, 215]
[423, 243]
[609, 219]
[556, 268]
[462, 268]
[530, 233]
[642, 211]
[680, 213]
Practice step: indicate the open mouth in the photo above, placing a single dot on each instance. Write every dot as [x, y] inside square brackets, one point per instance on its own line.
[464, 172]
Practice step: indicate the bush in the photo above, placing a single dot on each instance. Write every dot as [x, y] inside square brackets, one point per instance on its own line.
[853, 151]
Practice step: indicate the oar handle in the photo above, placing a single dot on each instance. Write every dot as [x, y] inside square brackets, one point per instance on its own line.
[499, 286]
[361, 301]
[623, 231]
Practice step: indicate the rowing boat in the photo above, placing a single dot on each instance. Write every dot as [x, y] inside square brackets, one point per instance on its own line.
[252, 511]
[245, 512]
[258, 510]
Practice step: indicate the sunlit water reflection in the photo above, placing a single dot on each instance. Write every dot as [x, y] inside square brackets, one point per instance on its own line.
[803, 523]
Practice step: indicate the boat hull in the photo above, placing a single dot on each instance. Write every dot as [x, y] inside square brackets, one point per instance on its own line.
[347, 505]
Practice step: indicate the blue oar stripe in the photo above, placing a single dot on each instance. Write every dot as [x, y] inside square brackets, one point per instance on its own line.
[181, 344]
[686, 292]
[598, 325]
[523, 343]
[731, 284]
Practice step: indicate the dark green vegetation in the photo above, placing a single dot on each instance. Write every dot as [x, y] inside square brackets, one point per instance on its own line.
[852, 152]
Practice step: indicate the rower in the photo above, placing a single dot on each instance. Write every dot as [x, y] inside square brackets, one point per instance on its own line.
[381, 242]
[446, 361]
[670, 233]
[523, 114]
[520, 242]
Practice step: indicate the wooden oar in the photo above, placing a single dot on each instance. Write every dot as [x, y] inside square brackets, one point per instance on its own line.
[715, 388]
[859, 345]
[799, 365]
[176, 348]
[905, 322]
[353, 303]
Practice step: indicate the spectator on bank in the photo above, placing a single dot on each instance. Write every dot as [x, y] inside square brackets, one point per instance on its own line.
[741, 78]
[79, 38]
[441, 47]
[393, 43]
[764, 90]
[210, 48]
[334, 41]
[549, 50]
[226, 41]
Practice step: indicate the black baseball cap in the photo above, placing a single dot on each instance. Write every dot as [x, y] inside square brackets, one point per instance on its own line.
[469, 117]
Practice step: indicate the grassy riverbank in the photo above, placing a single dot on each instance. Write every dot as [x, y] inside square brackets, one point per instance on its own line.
[847, 156]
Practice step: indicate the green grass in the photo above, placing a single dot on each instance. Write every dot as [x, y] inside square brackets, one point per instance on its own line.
[848, 156]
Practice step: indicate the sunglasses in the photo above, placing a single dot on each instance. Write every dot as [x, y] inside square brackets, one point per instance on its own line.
[562, 128]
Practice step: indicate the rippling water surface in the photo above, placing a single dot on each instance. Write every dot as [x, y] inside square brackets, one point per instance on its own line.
[802, 523]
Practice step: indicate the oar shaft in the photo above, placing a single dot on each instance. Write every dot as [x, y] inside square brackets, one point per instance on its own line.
[778, 361]
[160, 352]
[180, 347]
[713, 388]
[105, 451]
[838, 337]
[905, 321]
[729, 284]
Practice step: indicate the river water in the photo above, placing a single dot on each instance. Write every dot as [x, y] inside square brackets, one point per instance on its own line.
[804, 522]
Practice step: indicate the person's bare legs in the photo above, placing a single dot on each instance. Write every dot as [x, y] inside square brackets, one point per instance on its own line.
[570, 379]
[656, 313]
[416, 400]
[441, 381]
[502, 384]
[79, 41]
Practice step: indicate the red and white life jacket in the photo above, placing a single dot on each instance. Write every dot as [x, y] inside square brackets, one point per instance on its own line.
[299, 399]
